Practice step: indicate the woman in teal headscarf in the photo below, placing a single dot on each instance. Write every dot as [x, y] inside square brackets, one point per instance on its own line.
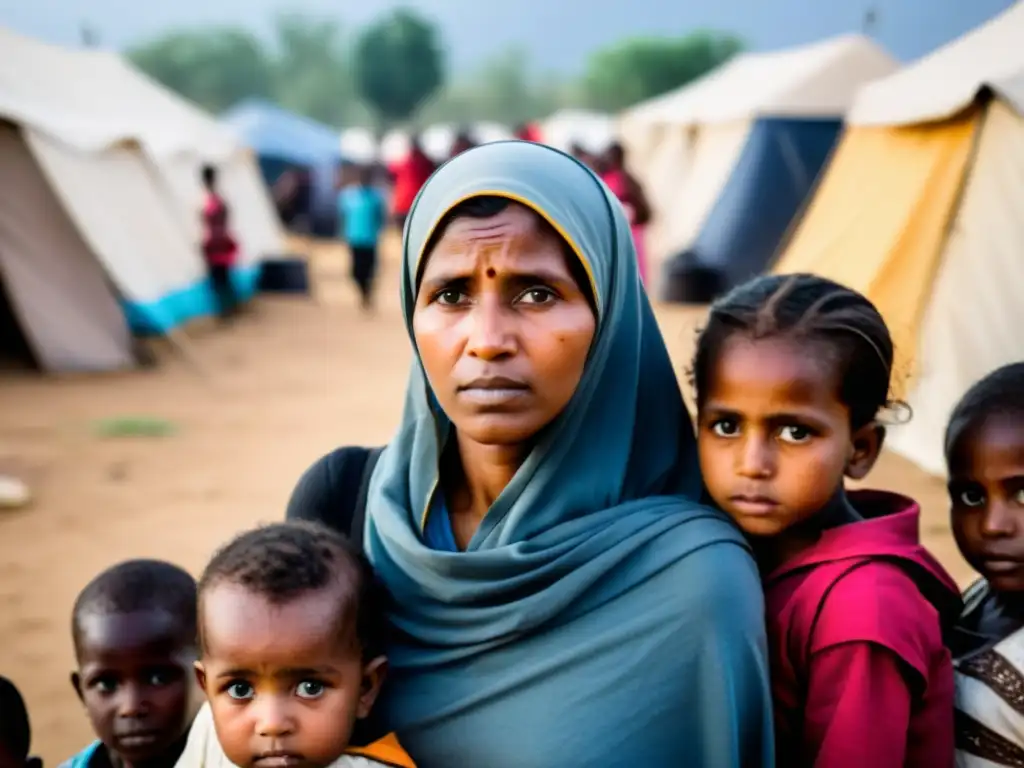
[560, 598]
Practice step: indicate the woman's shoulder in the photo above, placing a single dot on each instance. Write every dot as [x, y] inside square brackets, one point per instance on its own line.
[329, 486]
[716, 562]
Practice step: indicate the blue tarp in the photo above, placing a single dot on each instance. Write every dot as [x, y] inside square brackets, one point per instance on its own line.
[774, 174]
[160, 316]
[281, 139]
[274, 132]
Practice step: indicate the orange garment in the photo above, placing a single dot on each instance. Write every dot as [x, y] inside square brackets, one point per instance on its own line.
[386, 750]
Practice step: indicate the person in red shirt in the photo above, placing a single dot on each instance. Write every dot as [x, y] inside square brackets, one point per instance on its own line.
[220, 250]
[791, 373]
[613, 172]
[528, 132]
[410, 176]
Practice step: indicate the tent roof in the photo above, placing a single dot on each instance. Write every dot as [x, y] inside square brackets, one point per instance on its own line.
[91, 99]
[816, 80]
[948, 79]
[592, 130]
[269, 130]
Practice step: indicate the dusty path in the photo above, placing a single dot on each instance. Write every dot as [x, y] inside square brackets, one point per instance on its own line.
[290, 381]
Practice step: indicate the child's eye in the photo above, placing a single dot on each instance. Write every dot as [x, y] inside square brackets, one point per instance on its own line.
[725, 428]
[105, 684]
[310, 689]
[240, 690]
[158, 678]
[972, 498]
[794, 433]
[539, 295]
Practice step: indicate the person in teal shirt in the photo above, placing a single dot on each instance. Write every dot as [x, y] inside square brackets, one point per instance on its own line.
[361, 217]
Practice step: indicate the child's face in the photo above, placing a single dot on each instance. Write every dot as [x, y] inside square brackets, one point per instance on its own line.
[134, 677]
[773, 437]
[986, 489]
[286, 682]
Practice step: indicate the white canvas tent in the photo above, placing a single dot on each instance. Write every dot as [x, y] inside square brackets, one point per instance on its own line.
[593, 131]
[120, 157]
[942, 252]
[684, 145]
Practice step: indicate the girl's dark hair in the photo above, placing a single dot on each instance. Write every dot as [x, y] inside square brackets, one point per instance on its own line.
[812, 309]
[1001, 393]
[209, 174]
[484, 207]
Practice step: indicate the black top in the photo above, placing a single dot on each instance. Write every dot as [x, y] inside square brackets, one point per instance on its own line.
[333, 491]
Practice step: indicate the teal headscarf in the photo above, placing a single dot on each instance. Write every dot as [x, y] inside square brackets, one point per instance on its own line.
[599, 616]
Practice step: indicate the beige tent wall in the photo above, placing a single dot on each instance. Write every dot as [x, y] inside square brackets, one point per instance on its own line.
[686, 179]
[880, 216]
[974, 322]
[115, 199]
[58, 290]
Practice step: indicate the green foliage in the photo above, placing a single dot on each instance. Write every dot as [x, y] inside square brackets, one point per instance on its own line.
[641, 68]
[312, 72]
[398, 64]
[394, 72]
[134, 426]
[214, 67]
[504, 91]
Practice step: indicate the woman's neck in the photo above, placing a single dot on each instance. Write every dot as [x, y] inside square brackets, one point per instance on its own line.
[476, 475]
[777, 550]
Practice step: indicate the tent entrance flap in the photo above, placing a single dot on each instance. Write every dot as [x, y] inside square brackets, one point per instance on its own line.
[15, 351]
[880, 217]
[775, 172]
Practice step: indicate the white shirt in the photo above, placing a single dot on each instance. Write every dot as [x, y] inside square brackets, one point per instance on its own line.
[203, 750]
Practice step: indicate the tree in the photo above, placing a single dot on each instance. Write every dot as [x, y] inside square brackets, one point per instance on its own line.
[641, 68]
[312, 73]
[399, 65]
[216, 68]
[504, 90]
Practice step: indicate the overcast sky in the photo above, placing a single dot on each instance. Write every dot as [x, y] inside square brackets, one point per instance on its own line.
[557, 33]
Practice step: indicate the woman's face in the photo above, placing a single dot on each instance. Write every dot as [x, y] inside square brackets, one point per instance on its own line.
[502, 326]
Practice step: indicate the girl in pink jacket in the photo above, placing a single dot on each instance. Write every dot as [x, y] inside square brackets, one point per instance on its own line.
[791, 374]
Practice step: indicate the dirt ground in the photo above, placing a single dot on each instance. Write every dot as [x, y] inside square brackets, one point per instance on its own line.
[252, 406]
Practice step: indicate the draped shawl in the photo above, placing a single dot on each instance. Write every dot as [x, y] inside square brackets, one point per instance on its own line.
[600, 615]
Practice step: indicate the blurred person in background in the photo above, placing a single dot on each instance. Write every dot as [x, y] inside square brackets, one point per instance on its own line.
[578, 151]
[293, 194]
[220, 250]
[410, 175]
[361, 217]
[631, 195]
[528, 132]
[463, 141]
